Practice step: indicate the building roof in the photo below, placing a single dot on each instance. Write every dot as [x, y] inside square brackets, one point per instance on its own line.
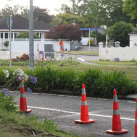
[21, 23]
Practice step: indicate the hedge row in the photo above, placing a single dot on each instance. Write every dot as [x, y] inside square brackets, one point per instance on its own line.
[97, 83]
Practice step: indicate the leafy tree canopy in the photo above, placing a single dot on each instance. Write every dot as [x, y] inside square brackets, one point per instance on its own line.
[39, 14]
[71, 32]
[26, 35]
[107, 12]
[130, 7]
[42, 15]
[78, 7]
[17, 9]
[119, 31]
[85, 21]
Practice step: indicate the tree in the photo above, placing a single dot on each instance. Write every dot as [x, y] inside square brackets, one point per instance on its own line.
[107, 12]
[42, 15]
[26, 35]
[119, 31]
[78, 7]
[71, 32]
[85, 21]
[17, 9]
[130, 7]
[39, 14]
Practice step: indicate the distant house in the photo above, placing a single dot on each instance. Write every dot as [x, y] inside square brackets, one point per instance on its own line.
[133, 38]
[20, 25]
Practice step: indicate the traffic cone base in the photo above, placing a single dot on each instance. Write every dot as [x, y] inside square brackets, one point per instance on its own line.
[117, 132]
[84, 122]
[26, 111]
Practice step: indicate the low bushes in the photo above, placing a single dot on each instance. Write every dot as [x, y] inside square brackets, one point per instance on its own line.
[97, 83]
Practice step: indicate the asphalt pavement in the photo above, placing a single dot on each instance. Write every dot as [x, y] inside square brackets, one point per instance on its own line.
[63, 110]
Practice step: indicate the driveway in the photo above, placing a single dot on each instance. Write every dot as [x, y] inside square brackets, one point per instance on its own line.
[86, 48]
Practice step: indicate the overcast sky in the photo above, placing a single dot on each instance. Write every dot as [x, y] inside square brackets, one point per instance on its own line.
[48, 4]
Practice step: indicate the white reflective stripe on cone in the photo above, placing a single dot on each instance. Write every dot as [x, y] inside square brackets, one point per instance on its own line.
[21, 84]
[116, 112]
[115, 98]
[83, 91]
[136, 107]
[84, 103]
[22, 95]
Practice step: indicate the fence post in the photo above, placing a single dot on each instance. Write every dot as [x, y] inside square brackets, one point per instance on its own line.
[100, 46]
[117, 44]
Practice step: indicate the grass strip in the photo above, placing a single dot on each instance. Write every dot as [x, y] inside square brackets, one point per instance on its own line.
[13, 124]
[123, 63]
[91, 53]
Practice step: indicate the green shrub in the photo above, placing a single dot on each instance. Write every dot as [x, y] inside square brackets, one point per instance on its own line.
[26, 35]
[97, 83]
[6, 43]
[91, 42]
[6, 100]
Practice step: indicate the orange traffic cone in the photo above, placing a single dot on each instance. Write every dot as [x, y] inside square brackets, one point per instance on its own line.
[23, 103]
[116, 122]
[136, 120]
[43, 56]
[84, 117]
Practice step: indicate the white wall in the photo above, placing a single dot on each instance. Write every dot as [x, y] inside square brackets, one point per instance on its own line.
[133, 40]
[24, 45]
[123, 53]
[6, 54]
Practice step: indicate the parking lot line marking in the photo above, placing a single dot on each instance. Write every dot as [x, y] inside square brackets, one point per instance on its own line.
[78, 113]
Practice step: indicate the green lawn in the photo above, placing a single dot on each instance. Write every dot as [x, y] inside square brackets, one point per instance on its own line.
[93, 53]
[126, 63]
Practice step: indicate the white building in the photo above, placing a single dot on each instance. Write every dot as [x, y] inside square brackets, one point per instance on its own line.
[133, 38]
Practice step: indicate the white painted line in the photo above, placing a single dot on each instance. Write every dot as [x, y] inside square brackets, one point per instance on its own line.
[131, 102]
[64, 116]
[111, 116]
[81, 59]
[78, 113]
[53, 110]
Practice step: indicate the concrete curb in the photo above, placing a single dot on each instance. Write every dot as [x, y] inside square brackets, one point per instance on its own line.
[75, 54]
[70, 93]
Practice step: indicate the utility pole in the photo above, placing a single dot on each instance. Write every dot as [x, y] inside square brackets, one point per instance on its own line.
[9, 24]
[10, 40]
[31, 38]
